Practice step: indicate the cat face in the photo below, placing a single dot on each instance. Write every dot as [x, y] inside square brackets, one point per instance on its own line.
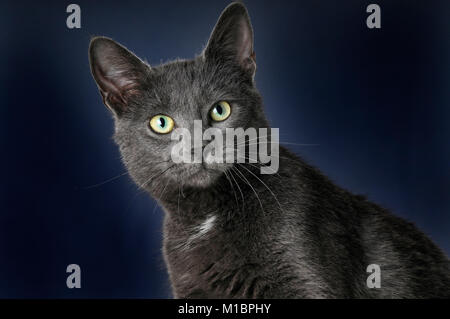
[215, 89]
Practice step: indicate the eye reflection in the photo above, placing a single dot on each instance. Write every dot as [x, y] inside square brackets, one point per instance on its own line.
[161, 124]
[221, 111]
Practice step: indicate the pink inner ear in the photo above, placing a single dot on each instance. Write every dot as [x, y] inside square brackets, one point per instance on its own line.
[116, 87]
[245, 54]
[118, 72]
[105, 84]
[244, 42]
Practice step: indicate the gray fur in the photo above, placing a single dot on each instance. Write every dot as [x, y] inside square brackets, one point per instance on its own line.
[305, 238]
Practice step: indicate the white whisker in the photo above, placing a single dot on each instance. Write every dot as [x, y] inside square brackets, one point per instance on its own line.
[249, 184]
[263, 184]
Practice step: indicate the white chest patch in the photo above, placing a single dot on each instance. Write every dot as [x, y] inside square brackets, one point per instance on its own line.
[200, 230]
[204, 227]
[207, 225]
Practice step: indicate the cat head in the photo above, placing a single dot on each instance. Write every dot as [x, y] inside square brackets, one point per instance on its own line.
[148, 102]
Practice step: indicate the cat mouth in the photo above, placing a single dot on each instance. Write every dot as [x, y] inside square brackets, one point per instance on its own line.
[197, 173]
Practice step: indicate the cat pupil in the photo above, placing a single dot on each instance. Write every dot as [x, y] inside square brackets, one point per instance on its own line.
[219, 109]
[162, 122]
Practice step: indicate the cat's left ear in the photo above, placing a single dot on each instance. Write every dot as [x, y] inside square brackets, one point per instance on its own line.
[232, 39]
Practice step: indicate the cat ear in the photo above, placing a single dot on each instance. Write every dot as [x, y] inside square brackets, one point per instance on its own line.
[119, 73]
[232, 38]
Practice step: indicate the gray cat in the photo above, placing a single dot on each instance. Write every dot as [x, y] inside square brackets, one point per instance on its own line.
[230, 231]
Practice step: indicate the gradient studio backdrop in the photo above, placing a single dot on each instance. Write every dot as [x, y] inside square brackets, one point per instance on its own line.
[376, 102]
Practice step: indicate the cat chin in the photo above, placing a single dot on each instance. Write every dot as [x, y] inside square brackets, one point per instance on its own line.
[197, 175]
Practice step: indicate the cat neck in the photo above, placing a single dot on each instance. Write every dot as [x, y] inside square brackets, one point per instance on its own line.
[233, 193]
[242, 192]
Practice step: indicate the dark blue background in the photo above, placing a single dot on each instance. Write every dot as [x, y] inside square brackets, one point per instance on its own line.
[376, 102]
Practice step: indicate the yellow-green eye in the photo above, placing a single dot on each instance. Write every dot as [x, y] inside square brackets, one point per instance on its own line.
[161, 124]
[221, 111]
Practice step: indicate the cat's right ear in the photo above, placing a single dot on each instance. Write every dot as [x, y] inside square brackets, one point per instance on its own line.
[119, 74]
[232, 39]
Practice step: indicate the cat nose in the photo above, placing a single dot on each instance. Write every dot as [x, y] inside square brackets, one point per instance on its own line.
[208, 159]
[199, 149]
[197, 154]
[196, 150]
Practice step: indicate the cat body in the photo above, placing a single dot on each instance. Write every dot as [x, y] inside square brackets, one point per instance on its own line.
[314, 240]
[230, 231]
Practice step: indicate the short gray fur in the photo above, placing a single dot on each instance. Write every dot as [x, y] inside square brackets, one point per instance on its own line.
[303, 238]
